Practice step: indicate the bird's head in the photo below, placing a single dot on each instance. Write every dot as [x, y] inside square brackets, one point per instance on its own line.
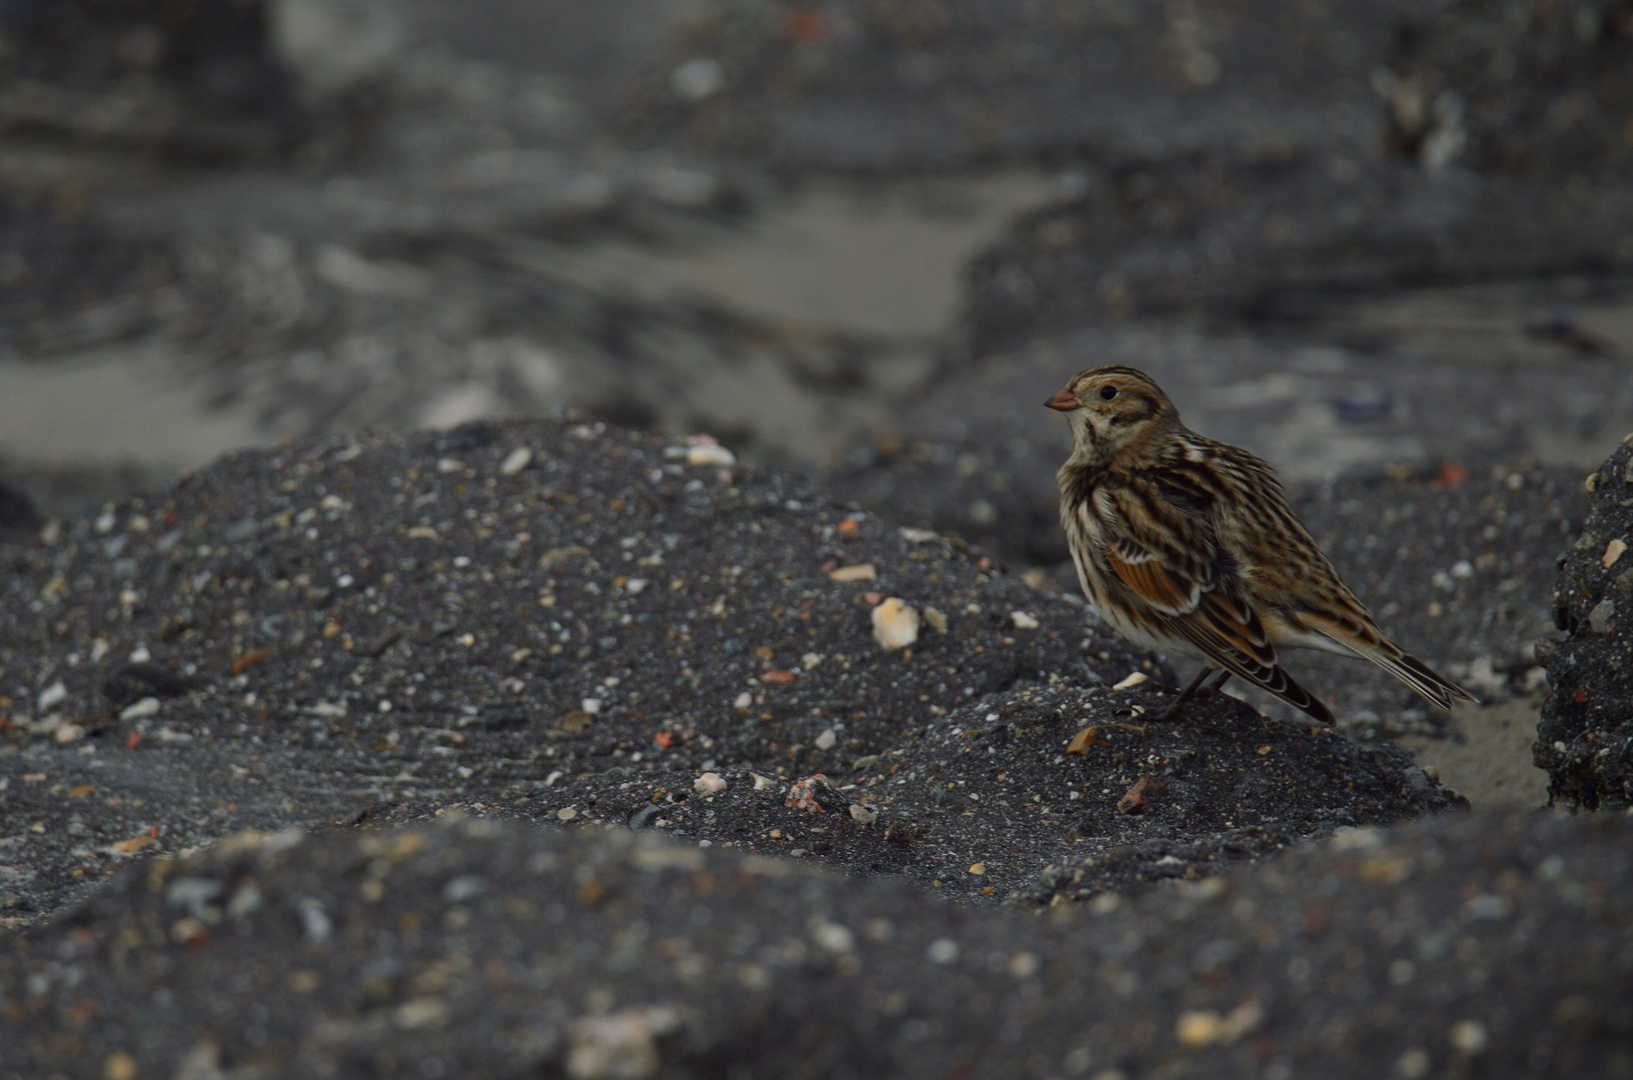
[1112, 408]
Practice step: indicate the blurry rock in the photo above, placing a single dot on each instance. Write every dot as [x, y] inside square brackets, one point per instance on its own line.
[613, 955]
[18, 518]
[335, 47]
[1585, 738]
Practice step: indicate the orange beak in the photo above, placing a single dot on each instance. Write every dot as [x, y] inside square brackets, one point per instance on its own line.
[1065, 401]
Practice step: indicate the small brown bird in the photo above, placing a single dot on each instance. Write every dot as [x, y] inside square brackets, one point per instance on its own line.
[1188, 546]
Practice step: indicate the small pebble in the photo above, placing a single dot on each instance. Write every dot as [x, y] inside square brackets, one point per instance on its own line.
[763, 782]
[148, 706]
[895, 624]
[53, 695]
[635, 586]
[1469, 1037]
[70, 733]
[859, 572]
[937, 621]
[1613, 551]
[826, 740]
[1134, 679]
[1023, 621]
[942, 951]
[709, 784]
[710, 454]
[566, 813]
[517, 460]
[862, 815]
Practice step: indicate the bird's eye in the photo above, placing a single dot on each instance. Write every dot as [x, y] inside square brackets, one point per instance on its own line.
[1107, 393]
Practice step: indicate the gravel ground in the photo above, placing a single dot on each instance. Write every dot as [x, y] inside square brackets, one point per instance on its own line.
[1585, 740]
[1466, 945]
[346, 630]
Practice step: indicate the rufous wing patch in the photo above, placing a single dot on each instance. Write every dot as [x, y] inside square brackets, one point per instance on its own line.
[1155, 584]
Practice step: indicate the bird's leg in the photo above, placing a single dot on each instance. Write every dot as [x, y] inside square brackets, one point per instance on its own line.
[1189, 692]
[1218, 683]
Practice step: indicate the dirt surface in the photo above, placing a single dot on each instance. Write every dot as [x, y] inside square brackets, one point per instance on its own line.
[348, 630]
[1493, 945]
[1585, 738]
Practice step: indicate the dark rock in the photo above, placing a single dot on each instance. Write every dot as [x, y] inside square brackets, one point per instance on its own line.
[191, 84]
[875, 85]
[1491, 945]
[1585, 739]
[129, 683]
[18, 518]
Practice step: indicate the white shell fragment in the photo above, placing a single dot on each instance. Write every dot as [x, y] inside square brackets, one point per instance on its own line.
[517, 460]
[1023, 620]
[709, 784]
[895, 624]
[710, 454]
[1134, 679]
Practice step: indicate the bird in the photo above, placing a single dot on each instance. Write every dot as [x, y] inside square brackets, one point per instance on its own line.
[1186, 545]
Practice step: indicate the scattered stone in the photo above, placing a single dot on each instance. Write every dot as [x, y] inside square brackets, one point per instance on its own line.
[859, 572]
[1131, 680]
[710, 454]
[148, 706]
[517, 460]
[1140, 795]
[826, 740]
[862, 815]
[936, 620]
[709, 784]
[1023, 621]
[802, 795]
[895, 624]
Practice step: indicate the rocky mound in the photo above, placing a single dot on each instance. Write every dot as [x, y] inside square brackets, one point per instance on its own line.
[1585, 739]
[565, 622]
[1475, 946]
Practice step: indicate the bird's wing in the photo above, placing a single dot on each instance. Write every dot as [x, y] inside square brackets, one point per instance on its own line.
[1170, 562]
[1175, 572]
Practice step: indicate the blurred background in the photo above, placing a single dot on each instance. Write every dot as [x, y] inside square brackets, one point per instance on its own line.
[863, 237]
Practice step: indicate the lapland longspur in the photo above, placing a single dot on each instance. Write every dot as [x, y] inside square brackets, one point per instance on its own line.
[1187, 545]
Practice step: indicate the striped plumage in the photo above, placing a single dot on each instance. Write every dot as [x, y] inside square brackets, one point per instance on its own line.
[1187, 545]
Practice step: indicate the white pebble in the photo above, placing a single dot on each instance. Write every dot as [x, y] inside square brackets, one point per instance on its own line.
[1135, 678]
[566, 813]
[70, 733]
[515, 461]
[918, 536]
[833, 937]
[53, 695]
[743, 700]
[1613, 551]
[448, 465]
[710, 454]
[763, 782]
[937, 621]
[895, 624]
[826, 740]
[810, 661]
[590, 705]
[709, 784]
[140, 655]
[148, 706]
[635, 585]
[1469, 1036]
[1023, 621]
[698, 79]
[942, 951]
[862, 815]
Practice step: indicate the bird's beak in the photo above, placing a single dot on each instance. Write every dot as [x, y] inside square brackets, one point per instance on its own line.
[1065, 401]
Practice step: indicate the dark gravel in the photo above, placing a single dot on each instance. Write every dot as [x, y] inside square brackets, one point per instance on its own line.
[351, 630]
[1486, 945]
[1585, 739]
